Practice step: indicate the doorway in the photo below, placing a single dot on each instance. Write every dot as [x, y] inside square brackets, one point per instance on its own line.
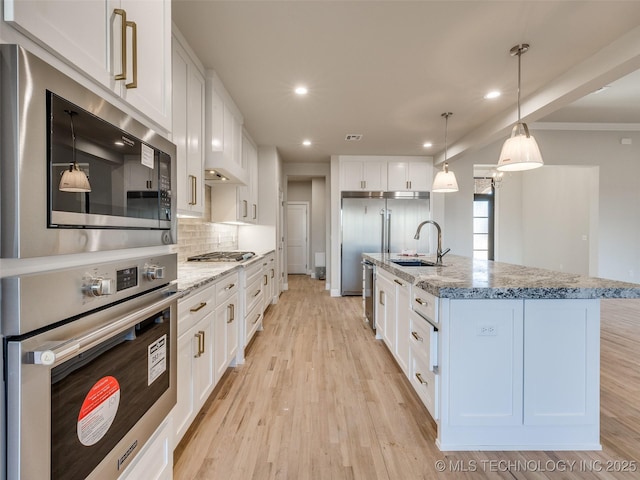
[297, 237]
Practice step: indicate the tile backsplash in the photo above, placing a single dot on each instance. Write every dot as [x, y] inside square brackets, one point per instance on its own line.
[198, 235]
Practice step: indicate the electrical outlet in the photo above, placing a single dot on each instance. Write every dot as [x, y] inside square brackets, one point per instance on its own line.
[487, 330]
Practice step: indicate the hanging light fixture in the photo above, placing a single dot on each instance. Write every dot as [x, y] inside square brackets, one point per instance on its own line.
[520, 151]
[445, 181]
[74, 179]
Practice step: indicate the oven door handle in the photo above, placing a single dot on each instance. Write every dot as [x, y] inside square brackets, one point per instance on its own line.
[54, 353]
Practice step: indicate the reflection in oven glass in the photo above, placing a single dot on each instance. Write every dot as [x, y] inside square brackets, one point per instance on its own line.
[99, 395]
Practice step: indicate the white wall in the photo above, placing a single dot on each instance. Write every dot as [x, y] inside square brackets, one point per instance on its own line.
[614, 243]
[318, 220]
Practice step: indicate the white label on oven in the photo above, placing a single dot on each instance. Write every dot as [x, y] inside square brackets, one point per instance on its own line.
[146, 156]
[157, 359]
[98, 410]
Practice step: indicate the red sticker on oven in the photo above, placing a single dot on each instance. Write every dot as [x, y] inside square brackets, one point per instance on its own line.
[98, 410]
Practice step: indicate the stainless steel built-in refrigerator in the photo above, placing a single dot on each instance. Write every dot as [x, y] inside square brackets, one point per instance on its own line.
[379, 222]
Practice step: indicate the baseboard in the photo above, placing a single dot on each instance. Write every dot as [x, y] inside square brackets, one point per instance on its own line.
[335, 293]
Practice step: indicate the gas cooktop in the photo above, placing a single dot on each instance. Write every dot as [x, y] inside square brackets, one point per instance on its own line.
[222, 257]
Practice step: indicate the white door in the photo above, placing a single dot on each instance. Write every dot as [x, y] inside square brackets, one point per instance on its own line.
[297, 237]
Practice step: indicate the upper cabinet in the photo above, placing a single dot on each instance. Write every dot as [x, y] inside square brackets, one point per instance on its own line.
[409, 176]
[363, 173]
[123, 45]
[385, 173]
[188, 128]
[223, 152]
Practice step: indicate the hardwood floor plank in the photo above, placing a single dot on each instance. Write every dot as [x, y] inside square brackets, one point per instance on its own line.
[320, 398]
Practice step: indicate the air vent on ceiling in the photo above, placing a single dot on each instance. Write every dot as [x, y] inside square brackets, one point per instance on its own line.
[353, 137]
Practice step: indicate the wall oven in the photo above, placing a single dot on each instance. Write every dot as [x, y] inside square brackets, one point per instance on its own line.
[52, 130]
[90, 366]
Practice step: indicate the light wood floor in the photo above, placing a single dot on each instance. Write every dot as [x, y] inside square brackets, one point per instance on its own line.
[320, 398]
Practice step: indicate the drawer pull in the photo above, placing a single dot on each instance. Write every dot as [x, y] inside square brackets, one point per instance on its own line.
[232, 312]
[199, 307]
[421, 302]
[200, 337]
[230, 286]
[381, 297]
[421, 380]
[398, 282]
[257, 318]
[273, 273]
[256, 294]
[266, 279]
[416, 336]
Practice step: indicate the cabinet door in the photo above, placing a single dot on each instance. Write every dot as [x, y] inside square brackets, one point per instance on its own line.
[374, 175]
[76, 30]
[195, 139]
[204, 377]
[180, 80]
[420, 176]
[403, 326]
[351, 175]
[233, 326]
[152, 96]
[220, 341]
[398, 176]
[184, 409]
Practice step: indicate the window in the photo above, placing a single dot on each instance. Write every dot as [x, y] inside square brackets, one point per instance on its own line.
[483, 209]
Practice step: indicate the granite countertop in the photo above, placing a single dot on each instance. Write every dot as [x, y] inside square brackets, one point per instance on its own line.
[462, 277]
[193, 275]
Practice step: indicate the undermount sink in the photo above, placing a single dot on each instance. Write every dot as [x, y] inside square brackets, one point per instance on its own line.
[414, 262]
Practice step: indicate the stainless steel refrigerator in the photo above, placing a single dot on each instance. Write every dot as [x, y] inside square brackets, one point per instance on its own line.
[379, 222]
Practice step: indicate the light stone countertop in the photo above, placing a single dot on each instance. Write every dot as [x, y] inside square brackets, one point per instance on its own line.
[193, 275]
[462, 277]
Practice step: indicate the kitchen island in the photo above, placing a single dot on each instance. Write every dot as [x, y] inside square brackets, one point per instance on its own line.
[511, 356]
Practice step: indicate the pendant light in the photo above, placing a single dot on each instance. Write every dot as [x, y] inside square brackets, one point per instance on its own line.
[74, 179]
[445, 181]
[520, 151]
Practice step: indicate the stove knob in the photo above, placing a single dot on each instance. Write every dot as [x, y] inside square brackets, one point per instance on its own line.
[154, 272]
[99, 287]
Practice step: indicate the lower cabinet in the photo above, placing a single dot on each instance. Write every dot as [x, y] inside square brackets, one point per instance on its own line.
[155, 461]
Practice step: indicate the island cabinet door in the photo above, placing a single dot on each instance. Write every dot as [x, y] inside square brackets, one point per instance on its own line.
[561, 362]
[484, 356]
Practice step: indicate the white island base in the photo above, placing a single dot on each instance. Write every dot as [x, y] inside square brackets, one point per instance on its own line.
[519, 374]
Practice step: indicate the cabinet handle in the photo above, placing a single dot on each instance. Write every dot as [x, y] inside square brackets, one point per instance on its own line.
[123, 47]
[134, 54]
[421, 380]
[410, 184]
[255, 211]
[381, 297]
[398, 282]
[245, 207]
[200, 337]
[273, 273]
[230, 286]
[194, 189]
[199, 307]
[266, 279]
[232, 312]
[257, 318]
[416, 336]
[421, 302]
[256, 294]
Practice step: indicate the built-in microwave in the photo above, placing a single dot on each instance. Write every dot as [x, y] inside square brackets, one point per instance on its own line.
[78, 174]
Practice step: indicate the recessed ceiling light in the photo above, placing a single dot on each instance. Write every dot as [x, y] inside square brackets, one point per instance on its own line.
[427, 145]
[306, 143]
[492, 94]
[301, 90]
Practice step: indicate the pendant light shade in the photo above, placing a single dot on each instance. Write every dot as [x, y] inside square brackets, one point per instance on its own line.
[74, 179]
[445, 181]
[520, 151]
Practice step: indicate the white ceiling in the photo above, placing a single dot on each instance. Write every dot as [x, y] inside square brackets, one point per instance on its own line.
[388, 69]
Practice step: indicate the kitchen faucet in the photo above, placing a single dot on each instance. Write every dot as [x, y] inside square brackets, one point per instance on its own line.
[439, 252]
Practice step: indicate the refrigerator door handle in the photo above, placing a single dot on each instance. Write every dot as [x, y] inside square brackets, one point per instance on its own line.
[388, 250]
[382, 215]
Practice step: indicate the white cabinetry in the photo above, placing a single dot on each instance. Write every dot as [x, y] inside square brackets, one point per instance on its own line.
[226, 324]
[253, 301]
[363, 173]
[188, 130]
[248, 194]
[402, 324]
[269, 279]
[409, 175]
[88, 35]
[223, 152]
[386, 309]
[155, 461]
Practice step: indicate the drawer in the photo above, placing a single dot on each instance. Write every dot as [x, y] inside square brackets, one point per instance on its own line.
[194, 307]
[226, 287]
[253, 320]
[425, 304]
[423, 340]
[253, 272]
[254, 294]
[425, 383]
